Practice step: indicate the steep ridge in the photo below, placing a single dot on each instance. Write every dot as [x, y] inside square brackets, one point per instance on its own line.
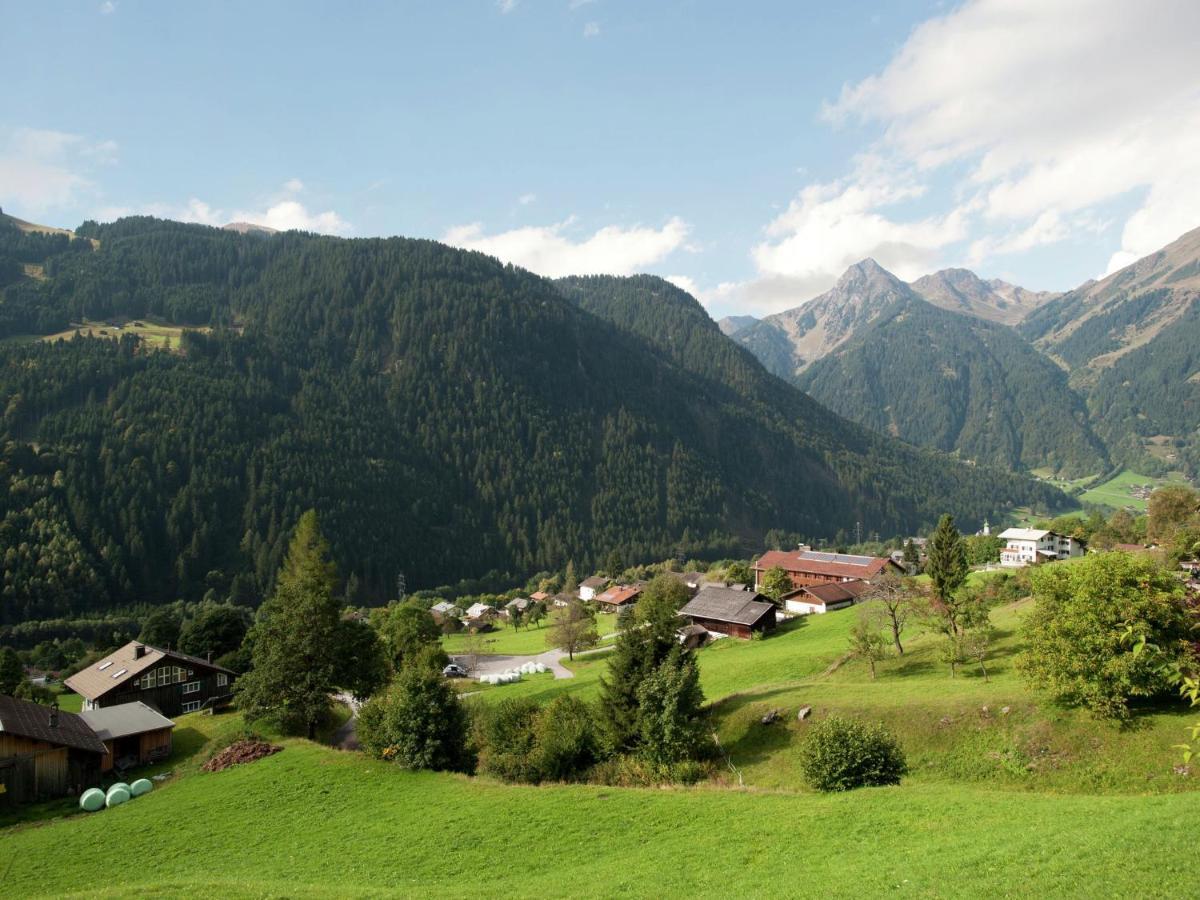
[447, 416]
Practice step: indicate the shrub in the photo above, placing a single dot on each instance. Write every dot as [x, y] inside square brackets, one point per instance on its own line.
[507, 741]
[417, 723]
[842, 754]
[566, 739]
[1083, 637]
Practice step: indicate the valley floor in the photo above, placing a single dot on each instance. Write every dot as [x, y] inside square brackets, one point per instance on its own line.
[1032, 801]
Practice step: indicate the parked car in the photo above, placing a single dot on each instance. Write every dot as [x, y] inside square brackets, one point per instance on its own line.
[454, 670]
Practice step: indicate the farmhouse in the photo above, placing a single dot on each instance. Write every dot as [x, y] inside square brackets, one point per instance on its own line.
[481, 611]
[539, 596]
[821, 598]
[44, 752]
[589, 587]
[617, 596]
[807, 567]
[133, 734]
[1029, 546]
[519, 605]
[166, 680]
[730, 611]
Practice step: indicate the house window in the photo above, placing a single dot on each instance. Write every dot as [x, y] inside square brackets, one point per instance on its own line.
[164, 676]
[191, 706]
[191, 688]
[222, 679]
[180, 675]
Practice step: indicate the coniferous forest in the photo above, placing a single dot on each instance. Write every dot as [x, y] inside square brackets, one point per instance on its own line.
[446, 415]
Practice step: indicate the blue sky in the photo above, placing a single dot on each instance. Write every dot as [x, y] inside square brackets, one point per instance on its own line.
[749, 151]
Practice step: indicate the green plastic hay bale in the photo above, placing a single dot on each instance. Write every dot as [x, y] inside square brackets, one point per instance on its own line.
[117, 794]
[92, 800]
[139, 787]
[120, 784]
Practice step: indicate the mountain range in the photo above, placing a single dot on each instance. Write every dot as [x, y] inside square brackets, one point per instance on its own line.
[446, 415]
[1077, 382]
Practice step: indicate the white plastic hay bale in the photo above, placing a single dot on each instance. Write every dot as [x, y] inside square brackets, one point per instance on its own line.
[540, 668]
[139, 787]
[92, 800]
[117, 794]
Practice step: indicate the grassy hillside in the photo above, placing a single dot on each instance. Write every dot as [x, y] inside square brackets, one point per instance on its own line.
[317, 822]
[1120, 490]
[1031, 801]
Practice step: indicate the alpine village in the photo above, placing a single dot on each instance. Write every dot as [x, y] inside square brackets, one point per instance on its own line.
[344, 564]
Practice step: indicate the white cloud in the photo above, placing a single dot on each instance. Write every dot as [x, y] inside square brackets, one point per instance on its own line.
[107, 8]
[42, 169]
[506, 6]
[293, 186]
[1053, 108]
[550, 250]
[685, 283]
[282, 213]
[579, 4]
[830, 226]
[591, 30]
[526, 199]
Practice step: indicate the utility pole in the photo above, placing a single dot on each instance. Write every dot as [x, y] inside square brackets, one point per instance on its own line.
[858, 532]
[401, 587]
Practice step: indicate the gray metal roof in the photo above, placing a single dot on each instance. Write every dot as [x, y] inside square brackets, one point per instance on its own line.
[121, 721]
[727, 605]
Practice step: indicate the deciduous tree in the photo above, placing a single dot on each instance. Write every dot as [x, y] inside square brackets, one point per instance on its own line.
[572, 628]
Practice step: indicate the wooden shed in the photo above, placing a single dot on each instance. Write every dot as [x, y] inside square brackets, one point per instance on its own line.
[44, 752]
[133, 734]
[737, 613]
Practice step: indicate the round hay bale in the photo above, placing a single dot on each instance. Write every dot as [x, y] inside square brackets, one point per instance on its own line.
[120, 784]
[139, 787]
[92, 800]
[117, 794]
[541, 667]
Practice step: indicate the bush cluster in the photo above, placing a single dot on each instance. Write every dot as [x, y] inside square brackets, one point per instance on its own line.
[519, 740]
[841, 754]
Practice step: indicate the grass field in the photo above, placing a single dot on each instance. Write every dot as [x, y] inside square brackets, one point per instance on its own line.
[159, 335]
[1020, 799]
[312, 822]
[1117, 492]
[526, 641]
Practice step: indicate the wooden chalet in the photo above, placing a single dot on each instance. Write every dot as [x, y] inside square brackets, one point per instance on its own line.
[44, 752]
[807, 567]
[133, 735]
[823, 598]
[730, 611]
[617, 596]
[170, 682]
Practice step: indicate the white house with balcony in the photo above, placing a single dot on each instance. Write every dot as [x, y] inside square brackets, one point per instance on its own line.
[1030, 546]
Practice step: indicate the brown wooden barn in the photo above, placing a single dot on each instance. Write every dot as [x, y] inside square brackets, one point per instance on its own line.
[808, 567]
[731, 611]
[133, 734]
[44, 752]
[169, 681]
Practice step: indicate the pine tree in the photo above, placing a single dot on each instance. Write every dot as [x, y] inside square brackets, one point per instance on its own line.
[912, 557]
[12, 673]
[669, 724]
[294, 644]
[640, 650]
[946, 567]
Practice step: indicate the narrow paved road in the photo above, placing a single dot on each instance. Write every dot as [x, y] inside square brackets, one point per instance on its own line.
[496, 665]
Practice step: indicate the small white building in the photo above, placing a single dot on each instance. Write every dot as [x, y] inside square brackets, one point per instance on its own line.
[1029, 546]
[590, 587]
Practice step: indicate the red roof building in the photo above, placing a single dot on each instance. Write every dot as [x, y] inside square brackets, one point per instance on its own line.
[808, 567]
[617, 596]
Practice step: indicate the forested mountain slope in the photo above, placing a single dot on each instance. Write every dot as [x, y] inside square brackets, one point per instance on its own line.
[445, 414]
[958, 383]
[1130, 342]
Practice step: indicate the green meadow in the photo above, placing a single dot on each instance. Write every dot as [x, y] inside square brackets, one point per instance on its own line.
[1007, 795]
